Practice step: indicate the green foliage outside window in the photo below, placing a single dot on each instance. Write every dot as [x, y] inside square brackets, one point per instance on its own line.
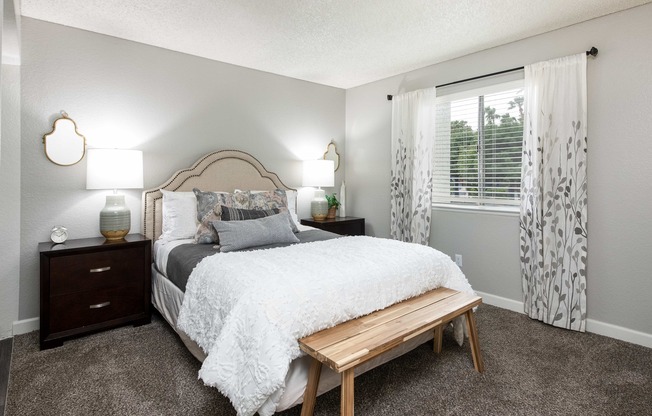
[501, 140]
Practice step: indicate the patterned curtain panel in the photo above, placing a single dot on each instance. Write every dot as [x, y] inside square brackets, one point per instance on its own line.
[553, 195]
[413, 137]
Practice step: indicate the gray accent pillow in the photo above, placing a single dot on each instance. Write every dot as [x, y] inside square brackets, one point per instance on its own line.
[237, 235]
[270, 200]
[208, 210]
[236, 214]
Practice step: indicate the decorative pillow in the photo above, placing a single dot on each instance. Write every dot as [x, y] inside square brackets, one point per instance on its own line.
[179, 215]
[292, 202]
[292, 205]
[236, 214]
[209, 209]
[237, 235]
[270, 200]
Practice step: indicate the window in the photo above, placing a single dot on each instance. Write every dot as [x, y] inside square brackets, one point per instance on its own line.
[478, 143]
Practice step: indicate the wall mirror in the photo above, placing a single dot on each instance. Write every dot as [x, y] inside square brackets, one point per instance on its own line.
[331, 154]
[64, 145]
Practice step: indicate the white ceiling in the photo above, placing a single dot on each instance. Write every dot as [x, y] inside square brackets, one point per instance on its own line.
[341, 43]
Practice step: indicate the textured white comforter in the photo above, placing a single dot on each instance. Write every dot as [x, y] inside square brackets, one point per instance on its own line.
[247, 310]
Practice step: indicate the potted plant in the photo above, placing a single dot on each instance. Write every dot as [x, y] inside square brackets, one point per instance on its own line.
[333, 205]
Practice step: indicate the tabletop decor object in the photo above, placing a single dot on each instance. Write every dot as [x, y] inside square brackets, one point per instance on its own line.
[318, 173]
[59, 234]
[114, 169]
[333, 205]
[342, 210]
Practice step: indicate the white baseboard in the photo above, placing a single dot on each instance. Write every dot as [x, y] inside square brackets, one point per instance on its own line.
[501, 302]
[26, 325]
[619, 332]
[593, 326]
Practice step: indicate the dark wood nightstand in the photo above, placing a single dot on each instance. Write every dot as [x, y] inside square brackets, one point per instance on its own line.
[92, 284]
[338, 225]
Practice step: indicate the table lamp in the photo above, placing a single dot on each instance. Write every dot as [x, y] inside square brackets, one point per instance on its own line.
[318, 173]
[114, 169]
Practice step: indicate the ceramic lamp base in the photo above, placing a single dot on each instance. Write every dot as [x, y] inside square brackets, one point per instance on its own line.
[319, 206]
[115, 218]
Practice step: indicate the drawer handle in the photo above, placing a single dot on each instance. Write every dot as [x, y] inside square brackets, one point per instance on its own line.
[99, 305]
[101, 269]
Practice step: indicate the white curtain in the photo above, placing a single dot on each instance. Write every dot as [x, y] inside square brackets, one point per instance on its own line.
[413, 137]
[554, 193]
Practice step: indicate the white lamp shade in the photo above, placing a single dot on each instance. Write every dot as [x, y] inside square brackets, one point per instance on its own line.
[114, 169]
[318, 173]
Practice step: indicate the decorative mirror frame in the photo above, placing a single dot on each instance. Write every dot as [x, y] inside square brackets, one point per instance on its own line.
[64, 116]
[334, 157]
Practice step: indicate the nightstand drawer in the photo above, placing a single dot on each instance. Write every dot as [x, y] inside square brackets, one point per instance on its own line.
[80, 309]
[96, 271]
[338, 225]
[346, 229]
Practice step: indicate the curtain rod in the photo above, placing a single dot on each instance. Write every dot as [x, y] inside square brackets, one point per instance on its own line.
[592, 52]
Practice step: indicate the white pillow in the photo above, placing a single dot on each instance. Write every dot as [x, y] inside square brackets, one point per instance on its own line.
[292, 203]
[179, 215]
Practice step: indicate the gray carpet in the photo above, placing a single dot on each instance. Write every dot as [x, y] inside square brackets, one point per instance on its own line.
[531, 369]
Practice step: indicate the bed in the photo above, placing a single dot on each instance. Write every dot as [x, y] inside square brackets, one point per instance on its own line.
[228, 171]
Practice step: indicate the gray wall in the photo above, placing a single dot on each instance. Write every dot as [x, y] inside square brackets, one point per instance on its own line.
[619, 168]
[9, 171]
[174, 107]
[10, 205]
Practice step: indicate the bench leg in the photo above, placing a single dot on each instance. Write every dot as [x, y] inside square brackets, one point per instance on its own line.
[439, 333]
[473, 340]
[310, 395]
[346, 403]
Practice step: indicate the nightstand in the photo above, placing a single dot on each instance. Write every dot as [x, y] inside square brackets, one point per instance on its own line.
[338, 225]
[93, 284]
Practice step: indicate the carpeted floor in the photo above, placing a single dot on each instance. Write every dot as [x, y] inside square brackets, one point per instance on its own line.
[530, 369]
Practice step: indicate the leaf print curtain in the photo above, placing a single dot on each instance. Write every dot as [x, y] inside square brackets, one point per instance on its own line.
[553, 232]
[413, 137]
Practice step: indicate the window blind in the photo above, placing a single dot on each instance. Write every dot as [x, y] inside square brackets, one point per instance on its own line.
[478, 144]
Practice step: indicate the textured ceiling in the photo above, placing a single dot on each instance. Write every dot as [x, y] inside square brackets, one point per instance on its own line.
[342, 43]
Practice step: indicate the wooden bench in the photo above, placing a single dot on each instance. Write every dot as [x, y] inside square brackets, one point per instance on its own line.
[349, 344]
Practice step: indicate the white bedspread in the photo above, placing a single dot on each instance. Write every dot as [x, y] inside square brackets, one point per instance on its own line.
[247, 310]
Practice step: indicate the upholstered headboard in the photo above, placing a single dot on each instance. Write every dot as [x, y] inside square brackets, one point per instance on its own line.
[224, 171]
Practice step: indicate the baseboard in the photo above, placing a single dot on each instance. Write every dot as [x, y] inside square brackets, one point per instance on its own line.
[26, 325]
[593, 326]
[618, 332]
[501, 302]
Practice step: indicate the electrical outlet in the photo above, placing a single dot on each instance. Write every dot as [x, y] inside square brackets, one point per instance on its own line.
[458, 260]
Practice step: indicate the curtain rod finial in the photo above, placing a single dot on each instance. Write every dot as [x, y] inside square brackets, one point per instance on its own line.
[593, 51]
[389, 97]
